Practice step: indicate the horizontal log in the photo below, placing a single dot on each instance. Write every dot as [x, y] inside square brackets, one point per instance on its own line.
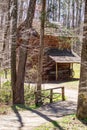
[52, 88]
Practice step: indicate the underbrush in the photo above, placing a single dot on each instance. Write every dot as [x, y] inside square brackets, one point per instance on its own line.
[29, 96]
[5, 93]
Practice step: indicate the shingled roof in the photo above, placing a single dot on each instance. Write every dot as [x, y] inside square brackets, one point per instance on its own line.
[63, 56]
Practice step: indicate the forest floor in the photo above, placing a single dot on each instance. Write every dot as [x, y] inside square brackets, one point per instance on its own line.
[29, 119]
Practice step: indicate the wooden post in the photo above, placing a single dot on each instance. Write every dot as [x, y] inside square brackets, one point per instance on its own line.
[36, 98]
[51, 95]
[5, 71]
[56, 71]
[63, 96]
[71, 67]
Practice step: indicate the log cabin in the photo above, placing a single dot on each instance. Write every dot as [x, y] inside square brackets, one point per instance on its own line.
[58, 54]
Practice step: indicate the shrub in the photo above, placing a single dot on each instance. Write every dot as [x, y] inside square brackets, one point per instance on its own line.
[5, 93]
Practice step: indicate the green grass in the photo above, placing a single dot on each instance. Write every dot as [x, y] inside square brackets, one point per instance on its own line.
[76, 68]
[56, 97]
[65, 123]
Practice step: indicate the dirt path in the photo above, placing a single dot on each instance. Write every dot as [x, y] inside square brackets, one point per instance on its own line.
[29, 119]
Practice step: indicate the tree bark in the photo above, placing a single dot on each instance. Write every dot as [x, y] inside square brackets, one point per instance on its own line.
[80, 11]
[7, 28]
[23, 54]
[40, 58]
[82, 95]
[68, 19]
[59, 11]
[20, 11]
[13, 46]
[73, 11]
[77, 13]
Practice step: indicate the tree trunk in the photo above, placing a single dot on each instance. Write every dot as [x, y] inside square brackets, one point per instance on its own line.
[73, 11]
[7, 28]
[59, 11]
[80, 11]
[82, 96]
[30, 13]
[13, 46]
[68, 19]
[23, 54]
[21, 11]
[40, 59]
[21, 75]
[77, 12]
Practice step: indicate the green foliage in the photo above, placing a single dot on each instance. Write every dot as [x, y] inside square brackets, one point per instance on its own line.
[1, 73]
[29, 95]
[5, 93]
[84, 121]
[7, 85]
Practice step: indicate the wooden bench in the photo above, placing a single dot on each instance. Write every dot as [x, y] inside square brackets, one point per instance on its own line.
[50, 96]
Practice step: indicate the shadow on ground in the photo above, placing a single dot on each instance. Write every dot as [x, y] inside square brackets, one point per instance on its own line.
[48, 112]
[18, 116]
[83, 121]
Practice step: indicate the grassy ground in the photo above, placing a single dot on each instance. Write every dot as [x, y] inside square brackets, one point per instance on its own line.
[65, 123]
[73, 83]
[76, 68]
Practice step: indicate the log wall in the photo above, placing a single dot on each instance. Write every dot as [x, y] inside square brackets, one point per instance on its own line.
[48, 64]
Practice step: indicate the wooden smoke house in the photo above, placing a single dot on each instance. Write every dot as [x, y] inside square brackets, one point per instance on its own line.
[58, 55]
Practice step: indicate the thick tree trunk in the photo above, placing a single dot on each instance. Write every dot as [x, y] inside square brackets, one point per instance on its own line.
[82, 96]
[20, 76]
[23, 54]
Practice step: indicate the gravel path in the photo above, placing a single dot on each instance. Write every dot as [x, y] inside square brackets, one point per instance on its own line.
[29, 119]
